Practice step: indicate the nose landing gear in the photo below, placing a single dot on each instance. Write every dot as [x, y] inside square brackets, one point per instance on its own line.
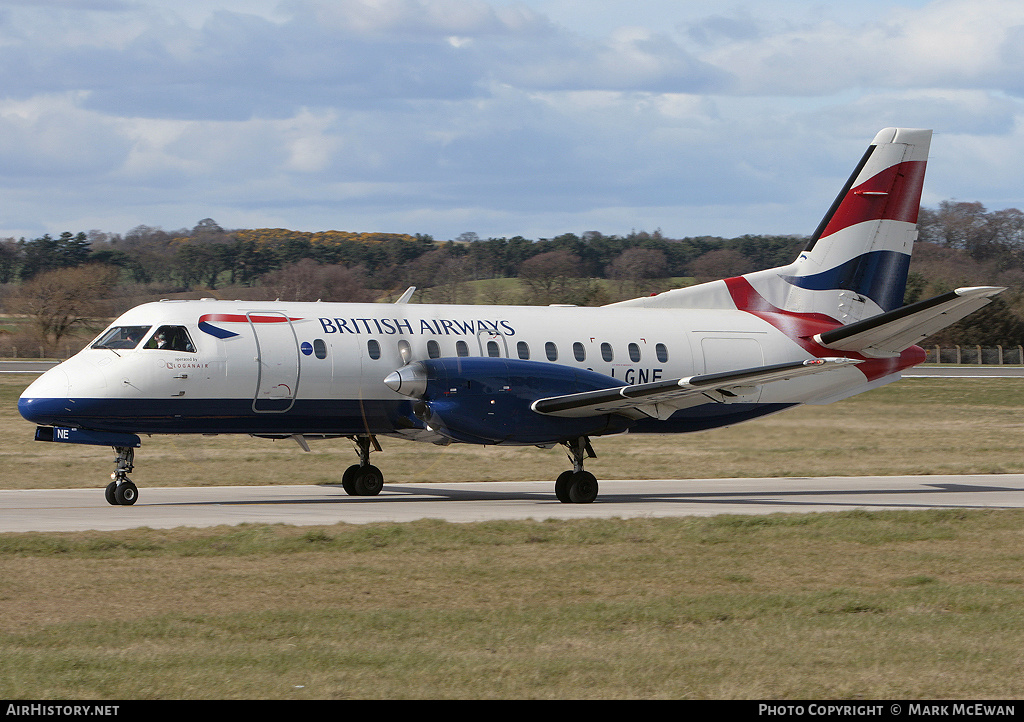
[121, 491]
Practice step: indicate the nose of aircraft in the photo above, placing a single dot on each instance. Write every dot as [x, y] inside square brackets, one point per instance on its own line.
[51, 389]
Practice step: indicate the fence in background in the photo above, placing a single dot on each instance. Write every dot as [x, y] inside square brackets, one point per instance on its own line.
[994, 356]
[37, 352]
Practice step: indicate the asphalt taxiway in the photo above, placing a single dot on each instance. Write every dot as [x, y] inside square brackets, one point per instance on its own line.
[52, 510]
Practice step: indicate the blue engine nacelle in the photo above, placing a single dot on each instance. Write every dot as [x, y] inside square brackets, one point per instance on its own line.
[487, 400]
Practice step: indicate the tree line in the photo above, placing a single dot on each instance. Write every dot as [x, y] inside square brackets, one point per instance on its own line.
[960, 243]
[207, 256]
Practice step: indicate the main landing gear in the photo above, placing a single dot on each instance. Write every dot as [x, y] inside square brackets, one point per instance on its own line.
[363, 479]
[577, 486]
[121, 491]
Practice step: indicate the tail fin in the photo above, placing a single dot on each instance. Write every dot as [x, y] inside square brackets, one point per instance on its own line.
[855, 265]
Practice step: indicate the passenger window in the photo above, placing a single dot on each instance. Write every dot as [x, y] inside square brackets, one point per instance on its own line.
[551, 351]
[634, 352]
[492, 349]
[662, 351]
[405, 351]
[579, 352]
[373, 349]
[171, 338]
[433, 350]
[523, 349]
[320, 348]
[606, 352]
[461, 348]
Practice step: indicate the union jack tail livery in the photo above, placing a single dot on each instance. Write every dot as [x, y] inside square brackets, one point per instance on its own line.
[856, 262]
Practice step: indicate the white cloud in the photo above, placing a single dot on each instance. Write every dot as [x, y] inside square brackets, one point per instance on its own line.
[949, 43]
[51, 136]
[531, 116]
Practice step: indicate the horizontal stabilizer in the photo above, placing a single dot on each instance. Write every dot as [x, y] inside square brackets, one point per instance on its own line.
[660, 398]
[887, 334]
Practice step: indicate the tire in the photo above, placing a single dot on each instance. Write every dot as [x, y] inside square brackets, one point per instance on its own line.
[562, 486]
[108, 493]
[126, 493]
[368, 481]
[583, 488]
[348, 480]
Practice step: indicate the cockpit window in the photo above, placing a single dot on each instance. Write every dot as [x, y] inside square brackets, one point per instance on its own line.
[122, 337]
[171, 338]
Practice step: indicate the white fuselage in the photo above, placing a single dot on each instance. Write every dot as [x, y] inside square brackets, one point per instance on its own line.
[319, 368]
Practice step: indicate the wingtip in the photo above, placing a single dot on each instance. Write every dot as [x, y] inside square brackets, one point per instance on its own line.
[832, 361]
[980, 291]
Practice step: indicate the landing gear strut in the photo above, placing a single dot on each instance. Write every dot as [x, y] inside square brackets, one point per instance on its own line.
[121, 491]
[363, 479]
[577, 486]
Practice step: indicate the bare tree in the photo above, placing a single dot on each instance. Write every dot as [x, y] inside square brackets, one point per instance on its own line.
[721, 263]
[551, 277]
[440, 276]
[65, 299]
[307, 280]
[638, 271]
[495, 291]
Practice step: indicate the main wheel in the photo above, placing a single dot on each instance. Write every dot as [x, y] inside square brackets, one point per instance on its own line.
[583, 488]
[348, 480]
[368, 481]
[562, 486]
[126, 493]
[108, 493]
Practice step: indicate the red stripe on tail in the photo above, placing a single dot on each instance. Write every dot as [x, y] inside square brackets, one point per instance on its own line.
[892, 195]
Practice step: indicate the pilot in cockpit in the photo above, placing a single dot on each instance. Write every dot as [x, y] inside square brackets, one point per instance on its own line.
[171, 338]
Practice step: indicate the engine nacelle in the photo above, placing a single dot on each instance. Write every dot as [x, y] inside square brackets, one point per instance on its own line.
[487, 400]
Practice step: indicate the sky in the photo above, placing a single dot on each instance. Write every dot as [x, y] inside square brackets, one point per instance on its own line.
[496, 117]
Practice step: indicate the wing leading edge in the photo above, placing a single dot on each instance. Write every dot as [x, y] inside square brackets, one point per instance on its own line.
[661, 398]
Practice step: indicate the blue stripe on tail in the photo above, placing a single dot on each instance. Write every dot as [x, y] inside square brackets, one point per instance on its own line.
[879, 275]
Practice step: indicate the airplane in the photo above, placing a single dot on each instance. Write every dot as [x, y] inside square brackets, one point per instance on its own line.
[829, 325]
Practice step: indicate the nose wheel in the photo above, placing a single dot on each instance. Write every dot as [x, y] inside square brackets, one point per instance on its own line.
[122, 491]
[123, 494]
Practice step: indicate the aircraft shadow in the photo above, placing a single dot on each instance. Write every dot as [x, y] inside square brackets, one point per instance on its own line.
[406, 494]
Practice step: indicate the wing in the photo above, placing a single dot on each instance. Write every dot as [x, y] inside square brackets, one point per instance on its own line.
[661, 398]
[885, 335]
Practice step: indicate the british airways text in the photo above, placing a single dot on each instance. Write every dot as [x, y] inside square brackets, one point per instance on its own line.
[435, 327]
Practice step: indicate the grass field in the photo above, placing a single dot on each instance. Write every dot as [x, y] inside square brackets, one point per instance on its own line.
[856, 605]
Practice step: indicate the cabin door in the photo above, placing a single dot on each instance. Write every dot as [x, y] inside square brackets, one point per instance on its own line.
[277, 355]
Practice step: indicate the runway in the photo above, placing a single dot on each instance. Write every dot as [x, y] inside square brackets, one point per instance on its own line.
[54, 510]
[26, 367]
